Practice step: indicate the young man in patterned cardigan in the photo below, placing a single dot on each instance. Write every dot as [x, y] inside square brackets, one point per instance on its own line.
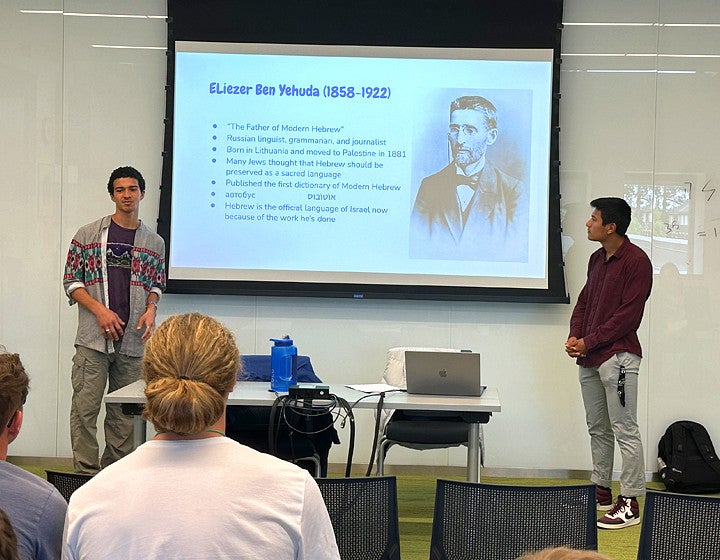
[115, 271]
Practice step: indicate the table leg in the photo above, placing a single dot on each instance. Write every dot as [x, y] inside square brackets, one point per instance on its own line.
[473, 457]
[139, 425]
[139, 431]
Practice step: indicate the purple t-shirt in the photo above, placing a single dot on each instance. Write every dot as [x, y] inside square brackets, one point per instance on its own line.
[119, 256]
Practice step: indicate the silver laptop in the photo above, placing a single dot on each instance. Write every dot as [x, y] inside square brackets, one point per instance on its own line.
[443, 373]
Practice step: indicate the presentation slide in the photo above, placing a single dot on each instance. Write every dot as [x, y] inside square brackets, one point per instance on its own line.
[374, 165]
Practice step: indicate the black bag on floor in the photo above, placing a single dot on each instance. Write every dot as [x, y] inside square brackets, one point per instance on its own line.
[687, 460]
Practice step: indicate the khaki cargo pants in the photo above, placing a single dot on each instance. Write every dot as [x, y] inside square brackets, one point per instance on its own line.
[92, 371]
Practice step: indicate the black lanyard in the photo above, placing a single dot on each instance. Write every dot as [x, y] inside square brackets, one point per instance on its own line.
[621, 385]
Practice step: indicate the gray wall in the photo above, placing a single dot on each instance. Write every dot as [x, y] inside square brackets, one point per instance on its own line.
[644, 127]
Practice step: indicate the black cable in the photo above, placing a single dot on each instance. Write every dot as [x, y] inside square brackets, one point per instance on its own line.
[273, 431]
[378, 412]
[306, 411]
[309, 409]
[351, 444]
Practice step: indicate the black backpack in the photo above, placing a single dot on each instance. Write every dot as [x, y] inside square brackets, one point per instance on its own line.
[687, 460]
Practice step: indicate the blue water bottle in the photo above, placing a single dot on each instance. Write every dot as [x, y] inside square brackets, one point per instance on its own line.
[283, 361]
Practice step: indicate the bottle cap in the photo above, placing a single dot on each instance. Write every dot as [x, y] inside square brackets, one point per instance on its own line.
[282, 341]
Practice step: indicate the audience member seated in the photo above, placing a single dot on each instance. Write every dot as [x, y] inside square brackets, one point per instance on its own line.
[33, 505]
[192, 492]
[8, 540]
[562, 553]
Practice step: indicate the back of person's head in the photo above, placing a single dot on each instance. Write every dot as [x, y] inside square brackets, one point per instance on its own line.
[8, 539]
[562, 553]
[190, 365]
[477, 103]
[614, 211]
[13, 385]
[124, 173]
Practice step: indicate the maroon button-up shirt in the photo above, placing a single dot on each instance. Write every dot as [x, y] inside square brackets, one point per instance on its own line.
[610, 307]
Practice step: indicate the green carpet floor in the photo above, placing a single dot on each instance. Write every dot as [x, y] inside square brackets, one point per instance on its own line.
[416, 496]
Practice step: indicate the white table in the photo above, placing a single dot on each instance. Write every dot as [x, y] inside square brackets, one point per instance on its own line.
[256, 393]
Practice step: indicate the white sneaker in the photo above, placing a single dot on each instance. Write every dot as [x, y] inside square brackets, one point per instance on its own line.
[625, 513]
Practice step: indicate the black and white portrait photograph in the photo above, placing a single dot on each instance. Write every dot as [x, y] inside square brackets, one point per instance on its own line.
[472, 199]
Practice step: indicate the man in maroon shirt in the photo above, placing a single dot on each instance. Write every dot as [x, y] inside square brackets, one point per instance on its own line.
[603, 338]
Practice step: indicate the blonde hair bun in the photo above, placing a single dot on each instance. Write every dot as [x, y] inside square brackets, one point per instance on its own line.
[190, 365]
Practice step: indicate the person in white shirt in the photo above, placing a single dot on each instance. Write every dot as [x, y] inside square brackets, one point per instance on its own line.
[191, 492]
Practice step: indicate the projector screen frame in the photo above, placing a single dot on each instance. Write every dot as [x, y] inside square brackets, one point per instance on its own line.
[179, 28]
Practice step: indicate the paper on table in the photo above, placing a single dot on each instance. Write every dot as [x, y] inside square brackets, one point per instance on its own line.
[375, 387]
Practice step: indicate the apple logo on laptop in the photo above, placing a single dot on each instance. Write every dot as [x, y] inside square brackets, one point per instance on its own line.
[442, 373]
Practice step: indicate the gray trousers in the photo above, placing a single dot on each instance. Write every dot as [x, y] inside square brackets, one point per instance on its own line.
[609, 421]
[92, 371]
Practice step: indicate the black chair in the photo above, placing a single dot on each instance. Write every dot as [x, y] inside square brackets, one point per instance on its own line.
[67, 482]
[426, 430]
[495, 522]
[679, 527]
[421, 429]
[306, 443]
[364, 516]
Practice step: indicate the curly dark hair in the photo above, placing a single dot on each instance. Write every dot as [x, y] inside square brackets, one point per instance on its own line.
[127, 171]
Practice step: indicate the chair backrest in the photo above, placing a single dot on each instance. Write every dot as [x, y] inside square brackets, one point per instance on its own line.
[679, 526]
[394, 373]
[364, 516]
[496, 522]
[67, 482]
